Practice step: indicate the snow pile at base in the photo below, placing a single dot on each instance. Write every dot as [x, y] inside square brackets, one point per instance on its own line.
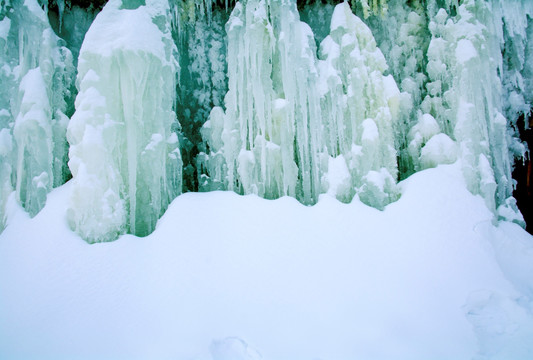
[230, 277]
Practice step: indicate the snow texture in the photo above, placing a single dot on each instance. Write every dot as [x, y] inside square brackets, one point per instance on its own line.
[332, 281]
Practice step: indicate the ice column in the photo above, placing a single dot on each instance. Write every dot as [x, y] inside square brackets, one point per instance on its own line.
[465, 95]
[360, 106]
[125, 160]
[36, 76]
[268, 140]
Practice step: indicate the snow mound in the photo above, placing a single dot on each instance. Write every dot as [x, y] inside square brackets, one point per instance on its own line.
[331, 281]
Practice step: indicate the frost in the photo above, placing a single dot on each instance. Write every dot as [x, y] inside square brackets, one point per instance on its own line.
[403, 36]
[203, 84]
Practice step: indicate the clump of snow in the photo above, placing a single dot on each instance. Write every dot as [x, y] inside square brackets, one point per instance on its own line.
[440, 149]
[465, 51]
[233, 348]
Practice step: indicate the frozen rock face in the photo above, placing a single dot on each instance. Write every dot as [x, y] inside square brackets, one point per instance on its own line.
[359, 106]
[125, 160]
[36, 77]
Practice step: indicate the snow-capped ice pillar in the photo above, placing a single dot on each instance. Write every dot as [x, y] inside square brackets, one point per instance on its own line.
[360, 106]
[268, 140]
[36, 77]
[125, 160]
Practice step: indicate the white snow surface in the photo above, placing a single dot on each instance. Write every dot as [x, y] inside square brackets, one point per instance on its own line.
[225, 276]
[130, 29]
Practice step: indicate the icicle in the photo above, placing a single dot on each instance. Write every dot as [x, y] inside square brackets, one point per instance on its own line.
[60, 11]
[272, 118]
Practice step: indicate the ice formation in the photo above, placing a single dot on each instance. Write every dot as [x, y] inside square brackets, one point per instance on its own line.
[287, 112]
[125, 160]
[466, 97]
[359, 107]
[36, 78]
[267, 141]
[274, 98]
[203, 82]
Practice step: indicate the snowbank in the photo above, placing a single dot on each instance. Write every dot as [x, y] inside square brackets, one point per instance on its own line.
[231, 277]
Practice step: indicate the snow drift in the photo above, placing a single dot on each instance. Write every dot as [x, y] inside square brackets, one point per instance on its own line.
[430, 277]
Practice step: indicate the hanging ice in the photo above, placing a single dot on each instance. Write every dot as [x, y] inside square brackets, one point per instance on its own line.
[203, 82]
[125, 160]
[36, 78]
[465, 95]
[403, 37]
[359, 106]
[268, 140]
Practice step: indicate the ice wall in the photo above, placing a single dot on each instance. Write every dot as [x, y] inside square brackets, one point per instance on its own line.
[297, 126]
[345, 106]
[36, 78]
[125, 160]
